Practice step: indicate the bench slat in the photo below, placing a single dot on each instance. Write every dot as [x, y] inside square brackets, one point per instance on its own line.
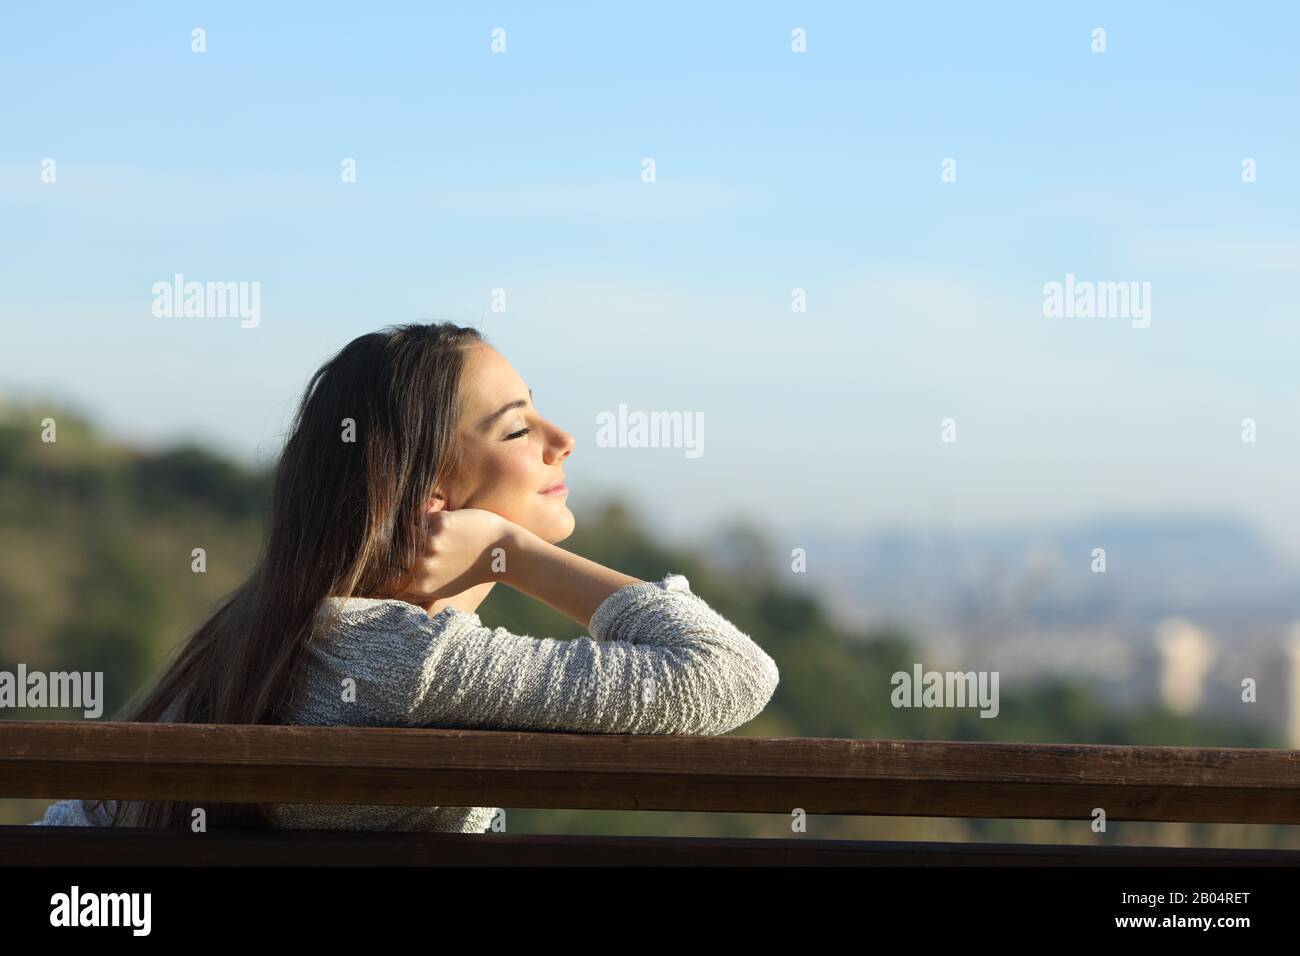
[406, 766]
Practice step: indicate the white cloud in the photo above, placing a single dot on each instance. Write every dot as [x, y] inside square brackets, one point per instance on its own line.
[1219, 253]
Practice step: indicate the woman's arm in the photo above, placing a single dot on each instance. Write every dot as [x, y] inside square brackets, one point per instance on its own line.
[571, 584]
[659, 660]
[460, 554]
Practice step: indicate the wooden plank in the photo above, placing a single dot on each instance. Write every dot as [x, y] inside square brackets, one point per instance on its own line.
[78, 847]
[406, 766]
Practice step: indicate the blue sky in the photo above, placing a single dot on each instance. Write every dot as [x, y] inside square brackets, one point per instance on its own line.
[775, 170]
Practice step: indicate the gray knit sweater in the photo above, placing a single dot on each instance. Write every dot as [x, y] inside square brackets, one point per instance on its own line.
[658, 660]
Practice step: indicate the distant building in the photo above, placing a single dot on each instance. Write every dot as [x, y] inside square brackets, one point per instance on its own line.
[1292, 727]
[1186, 654]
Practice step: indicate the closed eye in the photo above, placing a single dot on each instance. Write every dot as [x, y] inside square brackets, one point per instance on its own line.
[519, 434]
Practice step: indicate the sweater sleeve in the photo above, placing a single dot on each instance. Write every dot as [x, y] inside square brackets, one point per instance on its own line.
[77, 813]
[658, 660]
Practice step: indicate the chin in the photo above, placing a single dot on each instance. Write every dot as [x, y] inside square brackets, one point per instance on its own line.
[559, 528]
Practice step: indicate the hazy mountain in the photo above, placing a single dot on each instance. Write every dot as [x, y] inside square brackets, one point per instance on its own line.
[1214, 569]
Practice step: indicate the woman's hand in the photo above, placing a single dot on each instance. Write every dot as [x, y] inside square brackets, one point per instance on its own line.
[458, 554]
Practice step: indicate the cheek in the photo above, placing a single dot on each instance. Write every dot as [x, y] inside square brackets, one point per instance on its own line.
[511, 476]
[525, 473]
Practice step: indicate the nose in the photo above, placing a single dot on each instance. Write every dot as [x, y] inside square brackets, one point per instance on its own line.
[560, 446]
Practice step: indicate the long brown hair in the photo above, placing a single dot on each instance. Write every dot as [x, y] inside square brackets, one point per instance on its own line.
[373, 435]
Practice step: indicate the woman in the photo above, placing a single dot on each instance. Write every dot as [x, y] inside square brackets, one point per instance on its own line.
[418, 476]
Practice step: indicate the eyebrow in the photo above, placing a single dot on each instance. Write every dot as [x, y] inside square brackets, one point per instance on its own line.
[517, 403]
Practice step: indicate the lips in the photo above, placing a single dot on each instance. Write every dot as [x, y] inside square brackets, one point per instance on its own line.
[558, 486]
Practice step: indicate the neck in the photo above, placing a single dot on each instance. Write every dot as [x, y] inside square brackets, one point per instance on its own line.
[467, 601]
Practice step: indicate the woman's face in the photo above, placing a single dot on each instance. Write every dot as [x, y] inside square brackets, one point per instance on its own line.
[510, 453]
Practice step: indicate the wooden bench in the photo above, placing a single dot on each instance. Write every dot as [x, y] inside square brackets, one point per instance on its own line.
[399, 766]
